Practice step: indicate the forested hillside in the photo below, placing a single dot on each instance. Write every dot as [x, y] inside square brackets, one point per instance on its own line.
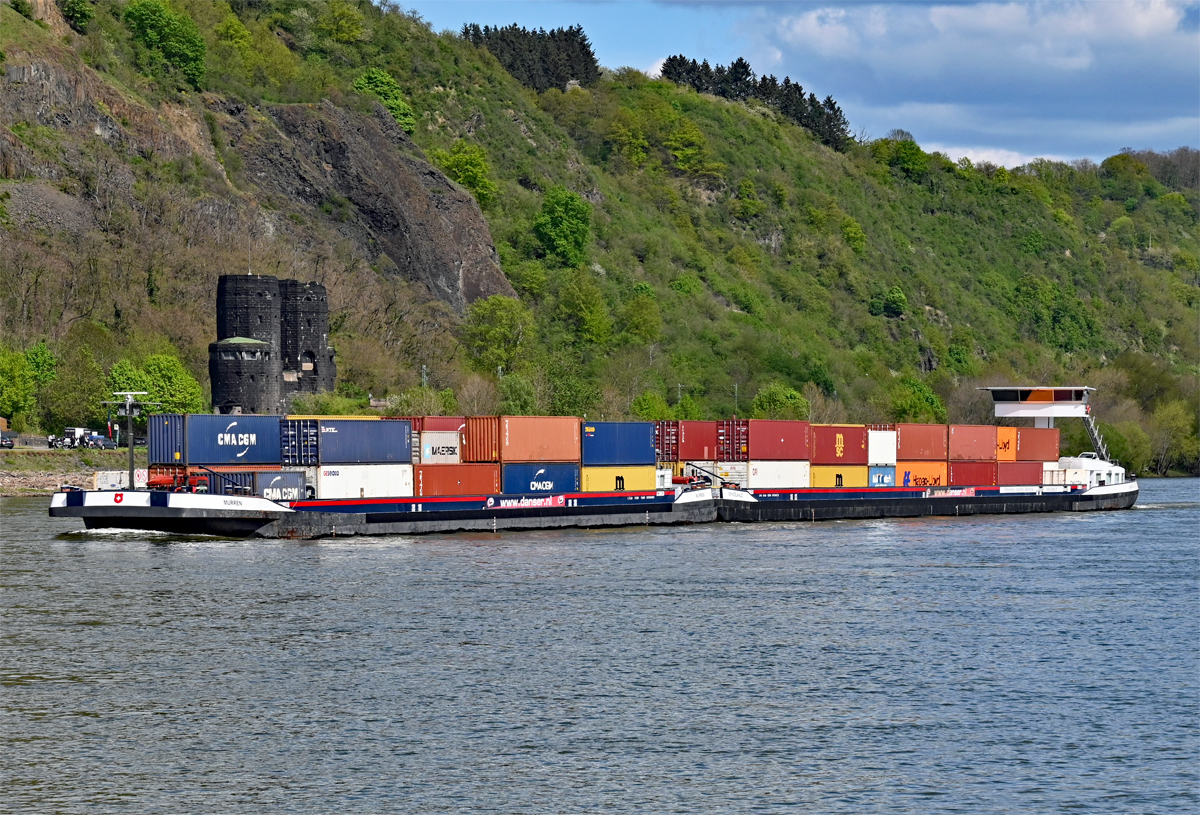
[674, 251]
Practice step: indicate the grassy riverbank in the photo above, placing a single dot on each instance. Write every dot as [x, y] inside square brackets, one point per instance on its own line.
[40, 472]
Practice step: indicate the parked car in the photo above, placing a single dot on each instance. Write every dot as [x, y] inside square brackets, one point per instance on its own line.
[7, 443]
[101, 443]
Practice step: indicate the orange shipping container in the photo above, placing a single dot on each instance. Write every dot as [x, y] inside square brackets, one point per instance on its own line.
[1037, 443]
[920, 442]
[481, 439]
[456, 479]
[539, 438]
[921, 474]
[972, 442]
[1006, 444]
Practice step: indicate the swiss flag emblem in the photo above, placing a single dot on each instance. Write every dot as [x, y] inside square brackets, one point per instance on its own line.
[118, 498]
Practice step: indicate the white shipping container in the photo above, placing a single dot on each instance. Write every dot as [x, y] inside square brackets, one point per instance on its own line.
[881, 448]
[662, 479]
[365, 481]
[779, 474]
[310, 478]
[1053, 477]
[735, 472]
[699, 469]
[119, 479]
[1077, 477]
[441, 447]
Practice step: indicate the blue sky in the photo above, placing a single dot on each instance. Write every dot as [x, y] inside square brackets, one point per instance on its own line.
[1001, 81]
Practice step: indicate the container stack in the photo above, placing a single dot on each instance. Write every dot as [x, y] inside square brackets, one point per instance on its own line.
[230, 455]
[779, 453]
[618, 456]
[535, 454]
[364, 458]
[881, 456]
[839, 456]
[972, 455]
[922, 451]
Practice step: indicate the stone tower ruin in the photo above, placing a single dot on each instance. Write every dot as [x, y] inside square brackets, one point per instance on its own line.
[272, 344]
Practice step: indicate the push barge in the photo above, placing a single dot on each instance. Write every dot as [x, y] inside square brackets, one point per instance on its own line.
[977, 473]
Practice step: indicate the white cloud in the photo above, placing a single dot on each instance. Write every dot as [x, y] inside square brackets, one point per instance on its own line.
[1004, 158]
[655, 69]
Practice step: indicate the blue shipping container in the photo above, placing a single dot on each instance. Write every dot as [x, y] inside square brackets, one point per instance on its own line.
[240, 483]
[165, 438]
[298, 442]
[521, 479]
[213, 439]
[618, 444]
[882, 477]
[350, 441]
[278, 486]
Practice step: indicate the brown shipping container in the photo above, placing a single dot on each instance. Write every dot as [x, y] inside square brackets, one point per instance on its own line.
[422, 423]
[775, 440]
[972, 473]
[920, 442]
[839, 444]
[972, 442]
[1006, 444]
[1037, 443]
[697, 441]
[666, 440]
[1011, 473]
[733, 443]
[481, 439]
[539, 438]
[456, 479]
[921, 474]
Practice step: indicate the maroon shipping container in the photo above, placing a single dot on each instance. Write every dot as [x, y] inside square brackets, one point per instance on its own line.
[973, 474]
[921, 442]
[666, 440]
[422, 423]
[778, 440]
[697, 441]
[481, 439]
[456, 479]
[839, 444]
[1012, 473]
[733, 440]
[972, 442]
[1037, 443]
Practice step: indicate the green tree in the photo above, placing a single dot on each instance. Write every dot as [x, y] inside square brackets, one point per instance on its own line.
[517, 396]
[582, 304]
[895, 303]
[42, 363]
[914, 401]
[651, 406]
[342, 22]
[78, 13]
[383, 86]
[777, 401]
[467, 164]
[174, 36]
[688, 409]
[564, 226]
[853, 234]
[76, 395]
[642, 319]
[497, 332]
[172, 386]
[125, 376]
[1173, 438]
[18, 387]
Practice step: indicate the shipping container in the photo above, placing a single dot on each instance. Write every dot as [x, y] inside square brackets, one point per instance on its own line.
[280, 486]
[119, 479]
[972, 442]
[697, 441]
[662, 479]
[666, 441]
[921, 442]
[481, 439]
[735, 472]
[881, 448]
[365, 480]
[203, 438]
[838, 476]
[618, 444]
[350, 441]
[1012, 473]
[972, 473]
[618, 479]
[1054, 477]
[299, 442]
[421, 424]
[440, 446]
[839, 444]
[921, 474]
[1006, 444]
[539, 477]
[332, 418]
[780, 440]
[539, 439]
[733, 440]
[699, 469]
[777, 474]
[310, 477]
[881, 476]
[1037, 444]
[456, 479]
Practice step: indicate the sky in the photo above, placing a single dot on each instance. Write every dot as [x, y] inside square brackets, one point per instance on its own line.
[997, 81]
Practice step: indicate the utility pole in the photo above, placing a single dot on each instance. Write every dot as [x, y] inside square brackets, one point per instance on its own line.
[129, 408]
[678, 392]
[735, 406]
[424, 377]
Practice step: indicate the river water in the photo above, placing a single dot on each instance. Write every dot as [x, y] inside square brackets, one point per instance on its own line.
[1002, 664]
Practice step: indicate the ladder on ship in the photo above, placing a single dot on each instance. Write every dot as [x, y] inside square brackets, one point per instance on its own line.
[1097, 440]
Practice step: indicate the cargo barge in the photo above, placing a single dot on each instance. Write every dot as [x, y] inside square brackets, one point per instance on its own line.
[312, 477]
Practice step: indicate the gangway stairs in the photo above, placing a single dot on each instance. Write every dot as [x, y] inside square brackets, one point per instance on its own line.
[1097, 440]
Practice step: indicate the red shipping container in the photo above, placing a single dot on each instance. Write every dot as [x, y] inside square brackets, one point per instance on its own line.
[921, 442]
[481, 439]
[539, 438]
[733, 442]
[839, 444]
[973, 473]
[697, 441]
[972, 442]
[778, 440]
[456, 479]
[1014, 473]
[1037, 443]
[666, 440]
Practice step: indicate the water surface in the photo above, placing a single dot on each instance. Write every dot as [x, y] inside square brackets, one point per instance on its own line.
[998, 664]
